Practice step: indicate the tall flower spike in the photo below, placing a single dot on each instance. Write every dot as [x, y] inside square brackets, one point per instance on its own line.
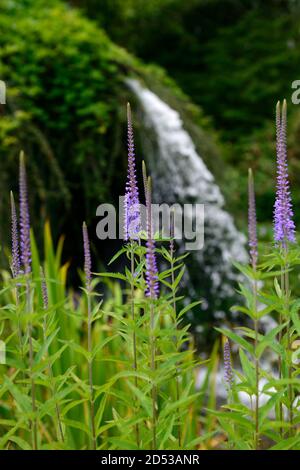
[15, 254]
[252, 228]
[24, 218]
[145, 185]
[228, 373]
[44, 289]
[284, 227]
[87, 257]
[132, 225]
[152, 290]
[172, 230]
[145, 179]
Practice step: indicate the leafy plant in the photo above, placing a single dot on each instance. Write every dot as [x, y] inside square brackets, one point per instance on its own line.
[120, 372]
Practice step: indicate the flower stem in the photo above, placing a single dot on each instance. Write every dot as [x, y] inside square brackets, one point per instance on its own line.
[153, 367]
[59, 428]
[31, 358]
[172, 250]
[286, 292]
[20, 335]
[58, 423]
[135, 366]
[279, 356]
[256, 326]
[90, 369]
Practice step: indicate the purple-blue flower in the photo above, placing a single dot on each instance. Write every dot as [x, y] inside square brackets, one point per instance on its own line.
[24, 218]
[152, 290]
[228, 373]
[284, 227]
[87, 257]
[15, 254]
[44, 289]
[252, 226]
[132, 222]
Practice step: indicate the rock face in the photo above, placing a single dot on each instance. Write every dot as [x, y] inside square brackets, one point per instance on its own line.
[181, 176]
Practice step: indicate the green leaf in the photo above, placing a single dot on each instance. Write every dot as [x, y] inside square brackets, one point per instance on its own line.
[77, 425]
[119, 276]
[188, 308]
[44, 349]
[142, 398]
[237, 339]
[235, 417]
[100, 411]
[198, 440]
[277, 288]
[20, 442]
[247, 367]
[286, 444]
[295, 315]
[22, 400]
[270, 340]
[117, 255]
[280, 383]
[178, 278]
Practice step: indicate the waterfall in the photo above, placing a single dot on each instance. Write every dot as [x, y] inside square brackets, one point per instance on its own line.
[181, 176]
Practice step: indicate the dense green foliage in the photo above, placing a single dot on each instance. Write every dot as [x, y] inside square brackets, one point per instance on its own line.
[134, 345]
[63, 83]
[60, 341]
[56, 341]
[232, 57]
[65, 109]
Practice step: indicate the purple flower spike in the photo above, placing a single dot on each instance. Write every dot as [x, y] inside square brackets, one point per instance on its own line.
[87, 257]
[228, 373]
[252, 229]
[44, 290]
[152, 290]
[132, 225]
[172, 230]
[15, 254]
[24, 218]
[284, 227]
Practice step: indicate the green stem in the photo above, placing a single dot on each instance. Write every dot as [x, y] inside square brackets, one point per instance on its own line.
[90, 369]
[290, 387]
[279, 356]
[153, 367]
[20, 334]
[256, 389]
[31, 359]
[59, 428]
[256, 326]
[176, 340]
[137, 429]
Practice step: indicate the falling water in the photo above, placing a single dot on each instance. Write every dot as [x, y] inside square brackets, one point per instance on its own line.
[181, 176]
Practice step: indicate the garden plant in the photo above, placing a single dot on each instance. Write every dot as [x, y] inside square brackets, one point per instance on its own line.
[114, 365]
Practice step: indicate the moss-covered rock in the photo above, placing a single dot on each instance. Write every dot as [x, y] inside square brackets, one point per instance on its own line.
[65, 108]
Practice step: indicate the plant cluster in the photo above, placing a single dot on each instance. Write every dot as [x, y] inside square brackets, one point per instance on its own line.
[272, 419]
[84, 372]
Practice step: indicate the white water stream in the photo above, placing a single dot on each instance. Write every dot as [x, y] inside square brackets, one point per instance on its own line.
[181, 176]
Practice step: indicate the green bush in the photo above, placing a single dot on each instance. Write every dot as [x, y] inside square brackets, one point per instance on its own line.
[66, 109]
[63, 83]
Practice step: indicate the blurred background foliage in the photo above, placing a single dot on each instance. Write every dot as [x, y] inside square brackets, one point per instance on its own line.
[66, 108]
[222, 64]
[234, 58]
